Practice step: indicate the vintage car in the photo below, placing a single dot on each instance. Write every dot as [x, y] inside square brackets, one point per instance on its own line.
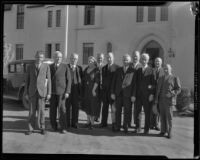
[14, 81]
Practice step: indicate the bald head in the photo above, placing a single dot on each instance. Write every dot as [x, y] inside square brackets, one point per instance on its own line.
[74, 59]
[168, 69]
[136, 57]
[110, 58]
[100, 58]
[57, 56]
[39, 57]
[144, 59]
[126, 59]
[158, 62]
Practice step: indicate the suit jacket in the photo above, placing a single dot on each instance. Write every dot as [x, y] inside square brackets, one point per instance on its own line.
[167, 89]
[61, 79]
[79, 77]
[38, 81]
[139, 65]
[124, 82]
[159, 74]
[107, 77]
[145, 82]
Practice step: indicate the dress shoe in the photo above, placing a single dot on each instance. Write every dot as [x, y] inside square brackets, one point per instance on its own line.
[87, 125]
[63, 131]
[146, 131]
[90, 127]
[96, 119]
[157, 128]
[125, 127]
[74, 126]
[29, 132]
[161, 133]
[117, 129]
[138, 130]
[169, 135]
[113, 127]
[151, 127]
[43, 132]
[102, 125]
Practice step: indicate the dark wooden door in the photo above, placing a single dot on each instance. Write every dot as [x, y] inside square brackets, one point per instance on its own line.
[153, 54]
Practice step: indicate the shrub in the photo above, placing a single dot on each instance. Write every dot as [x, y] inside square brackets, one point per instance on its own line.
[183, 99]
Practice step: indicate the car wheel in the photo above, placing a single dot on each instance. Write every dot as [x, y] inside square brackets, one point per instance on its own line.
[25, 102]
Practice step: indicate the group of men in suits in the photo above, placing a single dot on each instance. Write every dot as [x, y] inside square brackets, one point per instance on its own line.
[59, 83]
[132, 84]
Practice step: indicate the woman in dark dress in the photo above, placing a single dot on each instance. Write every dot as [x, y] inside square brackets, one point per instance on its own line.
[90, 97]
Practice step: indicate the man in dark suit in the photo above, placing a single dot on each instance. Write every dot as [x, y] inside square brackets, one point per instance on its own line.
[158, 72]
[145, 93]
[37, 90]
[108, 72]
[61, 87]
[100, 64]
[123, 91]
[136, 65]
[73, 101]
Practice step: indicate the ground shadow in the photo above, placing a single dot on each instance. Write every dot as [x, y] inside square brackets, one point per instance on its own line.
[96, 131]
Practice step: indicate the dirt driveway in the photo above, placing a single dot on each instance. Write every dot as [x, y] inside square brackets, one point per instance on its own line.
[96, 141]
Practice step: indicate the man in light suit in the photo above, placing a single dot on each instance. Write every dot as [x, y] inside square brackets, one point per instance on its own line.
[61, 88]
[158, 72]
[123, 92]
[108, 72]
[37, 90]
[135, 65]
[145, 93]
[75, 96]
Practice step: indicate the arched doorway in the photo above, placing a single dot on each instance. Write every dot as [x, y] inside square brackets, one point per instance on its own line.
[154, 49]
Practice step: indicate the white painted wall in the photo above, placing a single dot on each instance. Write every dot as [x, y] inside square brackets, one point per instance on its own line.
[183, 41]
[115, 24]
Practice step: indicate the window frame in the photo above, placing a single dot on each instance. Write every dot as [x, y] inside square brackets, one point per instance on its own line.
[58, 18]
[89, 15]
[164, 13]
[20, 16]
[19, 50]
[88, 49]
[151, 13]
[139, 14]
[50, 19]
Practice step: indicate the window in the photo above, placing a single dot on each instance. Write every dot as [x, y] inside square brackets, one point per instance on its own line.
[89, 15]
[19, 51]
[20, 16]
[19, 68]
[140, 13]
[57, 47]
[151, 14]
[164, 13]
[87, 51]
[48, 50]
[12, 68]
[50, 16]
[58, 18]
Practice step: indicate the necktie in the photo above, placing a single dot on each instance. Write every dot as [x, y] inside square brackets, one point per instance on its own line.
[125, 68]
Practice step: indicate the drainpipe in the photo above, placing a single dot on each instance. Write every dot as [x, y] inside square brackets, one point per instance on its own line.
[66, 32]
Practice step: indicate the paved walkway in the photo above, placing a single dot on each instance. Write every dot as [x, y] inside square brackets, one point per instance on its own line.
[96, 141]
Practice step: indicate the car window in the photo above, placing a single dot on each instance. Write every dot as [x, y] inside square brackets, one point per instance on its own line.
[19, 68]
[11, 68]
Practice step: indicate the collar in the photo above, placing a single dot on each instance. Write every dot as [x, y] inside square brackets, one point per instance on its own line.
[144, 66]
[135, 64]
